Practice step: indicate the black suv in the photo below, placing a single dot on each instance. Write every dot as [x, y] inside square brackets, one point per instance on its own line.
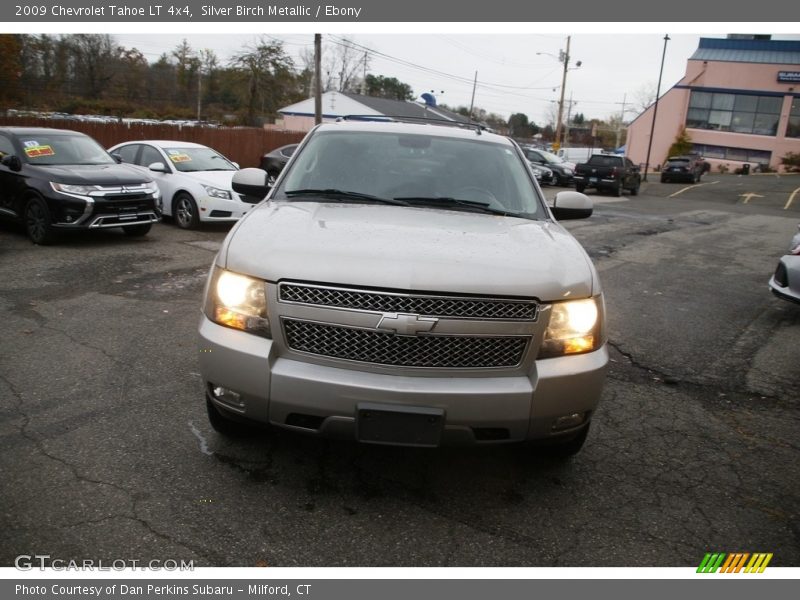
[563, 174]
[683, 168]
[55, 179]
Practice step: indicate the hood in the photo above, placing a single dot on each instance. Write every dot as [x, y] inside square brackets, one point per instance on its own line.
[423, 249]
[113, 174]
[218, 179]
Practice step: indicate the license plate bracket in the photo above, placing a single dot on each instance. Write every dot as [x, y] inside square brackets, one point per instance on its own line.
[399, 425]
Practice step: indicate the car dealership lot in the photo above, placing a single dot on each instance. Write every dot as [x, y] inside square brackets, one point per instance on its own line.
[107, 452]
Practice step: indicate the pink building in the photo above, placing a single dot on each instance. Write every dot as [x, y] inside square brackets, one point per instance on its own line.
[739, 102]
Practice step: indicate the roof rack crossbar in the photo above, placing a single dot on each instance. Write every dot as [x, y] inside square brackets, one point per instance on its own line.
[422, 119]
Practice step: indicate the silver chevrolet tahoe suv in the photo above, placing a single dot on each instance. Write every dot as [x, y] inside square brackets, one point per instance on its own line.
[405, 284]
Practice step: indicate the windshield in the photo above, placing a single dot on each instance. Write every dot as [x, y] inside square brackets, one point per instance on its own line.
[543, 155]
[551, 158]
[188, 160]
[63, 149]
[420, 170]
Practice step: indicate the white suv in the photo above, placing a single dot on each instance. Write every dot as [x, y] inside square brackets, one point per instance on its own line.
[405, 284]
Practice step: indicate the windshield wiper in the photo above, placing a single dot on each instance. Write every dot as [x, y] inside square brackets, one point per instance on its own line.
[343, 194]
[446, 201]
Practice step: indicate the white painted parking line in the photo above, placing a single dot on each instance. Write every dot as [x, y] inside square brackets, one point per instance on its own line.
[689, 187]
[749, 195]
[791, 198]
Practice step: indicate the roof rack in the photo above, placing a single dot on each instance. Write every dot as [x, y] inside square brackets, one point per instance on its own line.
[479, 128]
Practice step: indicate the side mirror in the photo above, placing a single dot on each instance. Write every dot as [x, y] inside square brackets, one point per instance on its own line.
[116, 157]
[572, 205]
[236, 165]
[251, 182]
[158, 167]
[13, 162]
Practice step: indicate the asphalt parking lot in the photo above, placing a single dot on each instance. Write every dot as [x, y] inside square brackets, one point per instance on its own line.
[107, 453]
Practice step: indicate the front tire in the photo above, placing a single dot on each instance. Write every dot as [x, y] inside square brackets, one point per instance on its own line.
[579, 187]
[566, 449]
[184, 211]
[137, 230]
[618, 189]
[225, 426]
[38, 222]
[635, 191]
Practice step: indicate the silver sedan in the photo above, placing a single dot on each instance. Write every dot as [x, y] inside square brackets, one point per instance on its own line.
[785, 282]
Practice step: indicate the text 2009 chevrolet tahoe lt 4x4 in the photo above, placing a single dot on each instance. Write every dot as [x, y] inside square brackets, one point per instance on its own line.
[405, 284]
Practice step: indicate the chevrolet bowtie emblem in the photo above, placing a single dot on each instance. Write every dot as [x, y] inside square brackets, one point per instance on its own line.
[406, 324]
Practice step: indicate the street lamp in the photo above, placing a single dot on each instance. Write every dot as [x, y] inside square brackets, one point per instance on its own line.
[563, 57]
[655, 109]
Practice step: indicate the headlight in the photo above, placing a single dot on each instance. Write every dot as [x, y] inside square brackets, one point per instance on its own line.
[65, 188]
[238, 301]
[217, 192]
[151, 188]
[567, 171]
[575, 327]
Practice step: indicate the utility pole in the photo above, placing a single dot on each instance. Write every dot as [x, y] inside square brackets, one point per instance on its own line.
[364, 80]
[317, 78]
[472, 102]
[199, 91]
[565, 59]
[621, 120]
[655, 109]
[569, 118]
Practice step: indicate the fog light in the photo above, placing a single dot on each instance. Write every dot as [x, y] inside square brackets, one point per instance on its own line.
[568, 421]
[227, 396]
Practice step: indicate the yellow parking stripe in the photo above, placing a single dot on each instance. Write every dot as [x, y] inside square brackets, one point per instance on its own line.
[791, 198]
[692, 186]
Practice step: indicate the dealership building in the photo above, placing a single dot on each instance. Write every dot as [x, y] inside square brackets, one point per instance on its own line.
[739, 102]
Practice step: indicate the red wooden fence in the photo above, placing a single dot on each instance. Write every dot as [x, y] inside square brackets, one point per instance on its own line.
[244, 145]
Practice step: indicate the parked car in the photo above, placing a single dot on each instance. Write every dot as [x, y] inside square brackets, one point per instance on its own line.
[542, 173]
[608, 173]
[58, 180]
[785, 282]
[195, 180]
[683, 168]
[274, 161]
[405, 284]
[563, 172]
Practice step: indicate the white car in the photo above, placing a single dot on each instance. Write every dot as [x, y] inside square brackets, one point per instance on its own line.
[195, 180]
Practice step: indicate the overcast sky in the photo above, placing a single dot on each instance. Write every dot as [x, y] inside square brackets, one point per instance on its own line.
[512, 77]
[616, 64]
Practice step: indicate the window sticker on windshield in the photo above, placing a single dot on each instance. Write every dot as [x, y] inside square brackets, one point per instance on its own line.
[34, 151]
[177, 156]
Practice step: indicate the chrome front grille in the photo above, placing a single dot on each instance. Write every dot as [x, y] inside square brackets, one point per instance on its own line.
[455, 307]
[381, 348]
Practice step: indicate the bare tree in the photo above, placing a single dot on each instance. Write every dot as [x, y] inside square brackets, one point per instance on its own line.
[268, 73]
[644, 96]
[95, 56]
[344, 66]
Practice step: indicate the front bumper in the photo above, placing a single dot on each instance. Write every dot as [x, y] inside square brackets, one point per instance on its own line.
[113, 208]
[213, 210]
[324, 400]
[785, 282]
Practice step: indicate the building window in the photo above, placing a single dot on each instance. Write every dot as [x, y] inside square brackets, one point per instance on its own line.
[793, 128]
[739, 113]
[735, 154]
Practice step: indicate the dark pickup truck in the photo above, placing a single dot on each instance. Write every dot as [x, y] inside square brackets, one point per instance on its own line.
[608, 173]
